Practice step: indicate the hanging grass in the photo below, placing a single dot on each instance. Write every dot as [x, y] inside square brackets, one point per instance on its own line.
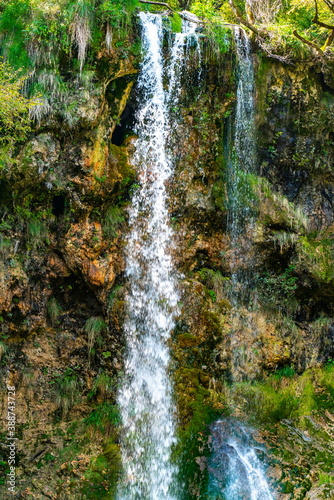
[54, 310]
[67, 390]
[94, 327]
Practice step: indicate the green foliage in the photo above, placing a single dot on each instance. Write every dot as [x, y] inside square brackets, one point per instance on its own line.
[100, 480]
[105, 417]
[13, 21]
[34, 222]
[205, 8]
[5, 246]
[118, 12]
[193, 435]
[219, 38]
[214, 281]
[218, 193]
[279, 19]
[316, 255]
[198, 406]
[37, 233]
[276, 208]
[176, 21]
[14, 108]
[286, 395]
[104, 386]
[325, 479]
[287, 371]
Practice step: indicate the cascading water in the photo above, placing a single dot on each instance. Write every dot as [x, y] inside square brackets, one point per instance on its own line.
[145, 398]
[242, 163]
[236, 473]
[245, 144]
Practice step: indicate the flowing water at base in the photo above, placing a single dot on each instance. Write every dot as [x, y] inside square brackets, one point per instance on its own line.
[236, 472]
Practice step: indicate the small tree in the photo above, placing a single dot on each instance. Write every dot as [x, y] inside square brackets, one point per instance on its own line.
[14, 112]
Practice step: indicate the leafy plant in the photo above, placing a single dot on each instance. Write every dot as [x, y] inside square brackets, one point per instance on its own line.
[14, 112]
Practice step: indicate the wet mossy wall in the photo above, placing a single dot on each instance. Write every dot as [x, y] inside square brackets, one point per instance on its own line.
[63, 222]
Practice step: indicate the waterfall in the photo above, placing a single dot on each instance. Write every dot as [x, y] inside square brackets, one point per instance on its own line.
[236, 473]
[245, 112]
[145, 398]
[242, 163]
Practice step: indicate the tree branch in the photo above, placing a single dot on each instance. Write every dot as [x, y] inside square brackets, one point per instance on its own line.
[329, 40]
[316, 19]
[329, 4]
[188, 16]
[153, 2]
[307, 42]
[244, 21]
[281, 59]
[324, 25]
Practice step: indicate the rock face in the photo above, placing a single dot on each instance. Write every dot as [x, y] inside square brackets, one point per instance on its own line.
[62, 287]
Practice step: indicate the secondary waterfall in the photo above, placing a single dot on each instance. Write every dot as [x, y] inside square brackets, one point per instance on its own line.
[236, 473]
[245, 143]
[241, 164]
[145, 398]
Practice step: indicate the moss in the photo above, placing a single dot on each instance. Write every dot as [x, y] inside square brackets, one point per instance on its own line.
[188, 340]
[124, 174]
[325, 479]
[67, 388]
[218, 193]
[275, 208]
[286, 395]
[54, 310]
[100, 480]
[104, 418]
[112, 221]
[198, 404]
[196, 414]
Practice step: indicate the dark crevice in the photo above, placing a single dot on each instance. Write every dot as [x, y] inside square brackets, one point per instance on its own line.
[58, 205]
[125, 127]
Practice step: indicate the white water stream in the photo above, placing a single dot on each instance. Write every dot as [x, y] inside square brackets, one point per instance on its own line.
[241, 165]
[236, 473]
[145, 398]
